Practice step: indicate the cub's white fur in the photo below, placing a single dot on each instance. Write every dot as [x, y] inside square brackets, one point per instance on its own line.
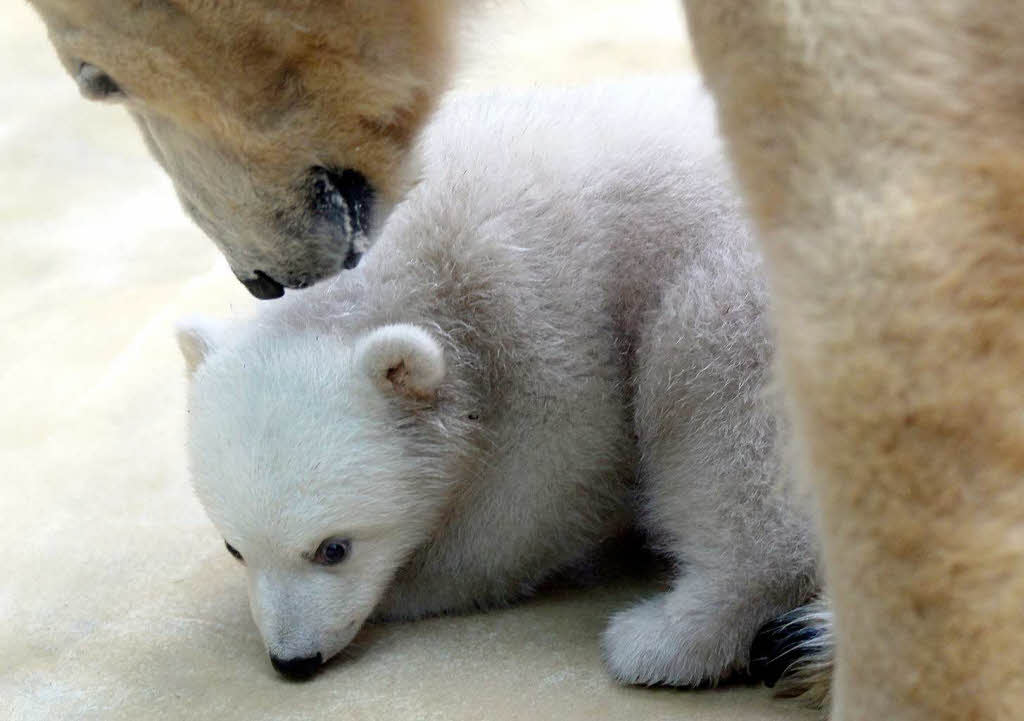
[563, 323]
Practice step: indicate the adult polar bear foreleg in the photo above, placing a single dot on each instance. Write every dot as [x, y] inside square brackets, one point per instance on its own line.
[880, 147]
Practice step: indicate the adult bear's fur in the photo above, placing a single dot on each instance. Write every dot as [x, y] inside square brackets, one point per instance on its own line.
[284, 125]
[880, 145]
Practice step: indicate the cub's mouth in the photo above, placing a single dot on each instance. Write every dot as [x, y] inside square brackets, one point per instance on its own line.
[340, 204]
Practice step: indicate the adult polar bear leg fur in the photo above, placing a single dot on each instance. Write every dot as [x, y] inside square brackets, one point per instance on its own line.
[880, 147]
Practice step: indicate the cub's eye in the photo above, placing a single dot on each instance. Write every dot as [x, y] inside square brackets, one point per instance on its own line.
[96, 84]
[233, 551]
[332, 551]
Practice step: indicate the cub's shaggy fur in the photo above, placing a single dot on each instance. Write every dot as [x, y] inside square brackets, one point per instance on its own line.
[566, 316]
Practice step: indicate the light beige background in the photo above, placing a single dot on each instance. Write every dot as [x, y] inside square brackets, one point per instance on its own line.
[117, 600]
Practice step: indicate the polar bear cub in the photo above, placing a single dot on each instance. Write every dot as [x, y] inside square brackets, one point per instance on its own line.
[560, 333]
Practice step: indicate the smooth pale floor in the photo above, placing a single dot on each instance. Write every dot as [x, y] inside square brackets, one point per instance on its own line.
[117, 599]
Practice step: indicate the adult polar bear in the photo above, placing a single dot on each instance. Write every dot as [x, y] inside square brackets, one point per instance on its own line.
[880, 146]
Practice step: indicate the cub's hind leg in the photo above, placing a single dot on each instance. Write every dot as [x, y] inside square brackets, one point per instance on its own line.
[712, 499]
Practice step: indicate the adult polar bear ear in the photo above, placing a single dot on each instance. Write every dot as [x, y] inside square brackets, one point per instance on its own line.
[402, 359]
[197, 337]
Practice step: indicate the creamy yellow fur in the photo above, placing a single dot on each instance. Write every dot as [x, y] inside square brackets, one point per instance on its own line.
[354, 80]
[880, 146]
[240, 100]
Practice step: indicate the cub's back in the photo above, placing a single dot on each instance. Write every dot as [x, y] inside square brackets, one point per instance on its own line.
[587, 197]
[554, 216]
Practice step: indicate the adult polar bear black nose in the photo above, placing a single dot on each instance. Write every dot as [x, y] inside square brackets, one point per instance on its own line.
[297, 669]
[263, 286]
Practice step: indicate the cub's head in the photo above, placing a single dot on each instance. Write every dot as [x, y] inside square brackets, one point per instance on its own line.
[283, 123]
[313, 457]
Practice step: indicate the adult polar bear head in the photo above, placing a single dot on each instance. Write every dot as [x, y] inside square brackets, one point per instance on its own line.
[283, 123]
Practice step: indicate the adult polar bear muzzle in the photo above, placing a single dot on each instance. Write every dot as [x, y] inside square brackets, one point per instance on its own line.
[279, 227]
[284, 126]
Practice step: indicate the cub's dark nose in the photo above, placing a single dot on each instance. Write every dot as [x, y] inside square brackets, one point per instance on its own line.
[263, 286]
[297, 669]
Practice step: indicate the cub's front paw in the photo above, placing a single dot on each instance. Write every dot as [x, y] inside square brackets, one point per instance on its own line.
[650, 645]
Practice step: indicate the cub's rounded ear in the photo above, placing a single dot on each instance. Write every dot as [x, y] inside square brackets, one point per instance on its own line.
[197, 337]
[402, 359]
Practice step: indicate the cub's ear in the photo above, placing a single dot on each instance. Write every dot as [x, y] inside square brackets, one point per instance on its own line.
[197, 337]
[402, 359]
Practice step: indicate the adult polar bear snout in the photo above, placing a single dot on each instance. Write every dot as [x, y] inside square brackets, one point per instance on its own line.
[286, 129]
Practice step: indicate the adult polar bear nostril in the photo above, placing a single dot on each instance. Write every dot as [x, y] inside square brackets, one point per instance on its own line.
[403, 359]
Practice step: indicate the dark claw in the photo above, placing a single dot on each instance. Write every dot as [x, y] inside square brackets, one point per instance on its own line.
[776, 647]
